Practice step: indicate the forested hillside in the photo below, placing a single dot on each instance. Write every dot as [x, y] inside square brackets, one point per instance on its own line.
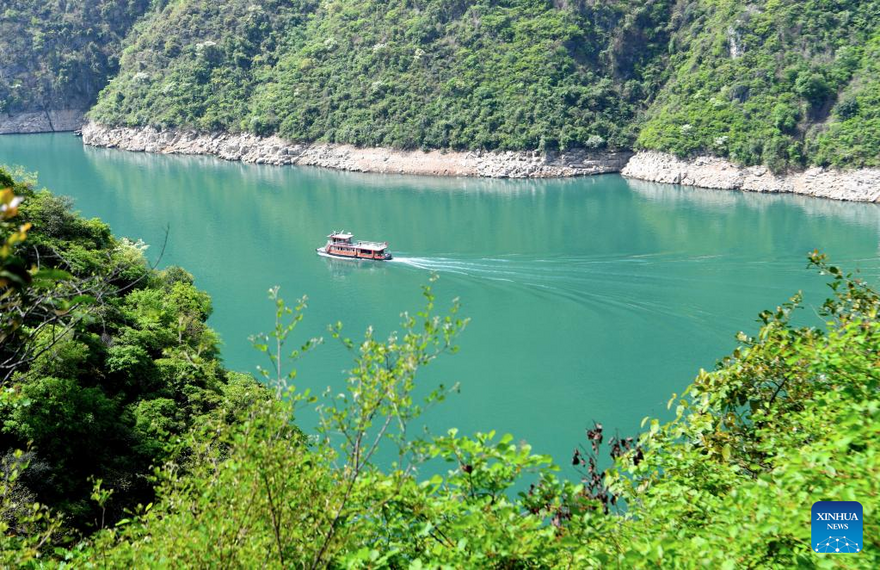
[58, 54]
[108, 368]
[104, 361]
[785, 83]
[775, 82]
[515, 74]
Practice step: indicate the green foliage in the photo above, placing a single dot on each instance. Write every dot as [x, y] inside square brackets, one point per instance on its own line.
[105, 362]
[58, 54]
[789, 418]
[131, 380]
[518, 74]
[852, 138]
[792, 416]
[786, 83]
[778, 82]
[26, 527]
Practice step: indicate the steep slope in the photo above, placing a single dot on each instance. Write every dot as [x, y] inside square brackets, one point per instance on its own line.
[777, 82]
[511, 74]
[56, 55]
[781, 83]
[104, 363]
[197, 63]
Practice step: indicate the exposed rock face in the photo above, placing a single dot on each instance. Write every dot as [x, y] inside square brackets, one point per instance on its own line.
[274, 150]
[712, 172]
[707, 172]
[41, 121]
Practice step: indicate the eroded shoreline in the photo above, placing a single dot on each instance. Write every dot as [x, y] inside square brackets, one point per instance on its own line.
[861, 185]
[274, 150]
[32, 122]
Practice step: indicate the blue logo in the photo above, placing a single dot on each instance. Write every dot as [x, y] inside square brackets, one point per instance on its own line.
[837, 527]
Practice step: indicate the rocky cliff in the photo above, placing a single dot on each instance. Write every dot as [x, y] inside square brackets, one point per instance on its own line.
[41, 121]
[56, 56]
[862, 185]
[274, 150]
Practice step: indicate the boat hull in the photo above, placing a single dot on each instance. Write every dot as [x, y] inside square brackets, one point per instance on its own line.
[324, 253]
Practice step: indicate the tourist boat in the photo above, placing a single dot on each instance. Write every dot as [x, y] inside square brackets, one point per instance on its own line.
[339, 244]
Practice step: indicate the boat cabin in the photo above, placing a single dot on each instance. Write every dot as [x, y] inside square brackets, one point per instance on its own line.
[341, 238]
[340, 244]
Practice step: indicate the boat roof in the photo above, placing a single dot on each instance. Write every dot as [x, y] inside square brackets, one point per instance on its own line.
[340, 235]
[371, 245]
[368, 245]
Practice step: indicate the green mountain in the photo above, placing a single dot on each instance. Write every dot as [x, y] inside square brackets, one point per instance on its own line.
[776, 82]
[58, 54]
[512, 75]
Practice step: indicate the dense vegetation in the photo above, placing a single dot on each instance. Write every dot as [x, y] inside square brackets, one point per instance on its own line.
[791, 417]
[104, 362]
[777, 82]
[472, 74]
[786, 83]
[58, 54]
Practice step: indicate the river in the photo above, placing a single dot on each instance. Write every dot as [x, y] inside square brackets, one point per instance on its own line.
[590, 299]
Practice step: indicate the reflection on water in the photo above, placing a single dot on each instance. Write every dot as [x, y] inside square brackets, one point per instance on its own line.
[859, 213]
[340, 269]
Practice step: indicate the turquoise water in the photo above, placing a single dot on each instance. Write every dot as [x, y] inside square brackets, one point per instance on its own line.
[590, 299]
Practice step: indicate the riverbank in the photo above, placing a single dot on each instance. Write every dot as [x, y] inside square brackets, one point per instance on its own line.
[274, 150]
[704, 172]
[59, 120]
[711, 172]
